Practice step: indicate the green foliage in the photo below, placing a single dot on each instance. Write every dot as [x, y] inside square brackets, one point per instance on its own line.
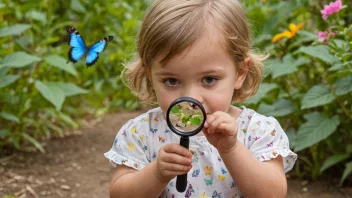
[308, 83]
[14, 30]
[41, 94]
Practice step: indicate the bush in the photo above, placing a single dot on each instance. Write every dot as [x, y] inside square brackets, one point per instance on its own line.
[40, 93]
[308, 81]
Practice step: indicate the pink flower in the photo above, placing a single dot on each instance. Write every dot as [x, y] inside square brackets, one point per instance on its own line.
[332, 8]
[323, 36]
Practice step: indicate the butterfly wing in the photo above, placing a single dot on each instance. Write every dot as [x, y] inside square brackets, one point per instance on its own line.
[95, 49]
[78, 46]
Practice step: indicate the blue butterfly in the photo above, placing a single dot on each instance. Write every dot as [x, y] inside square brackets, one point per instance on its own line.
[223, 171]
[217, 195]
[196, 173]
[79, 48]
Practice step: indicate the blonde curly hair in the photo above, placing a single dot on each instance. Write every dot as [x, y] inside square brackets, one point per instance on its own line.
[171, 26]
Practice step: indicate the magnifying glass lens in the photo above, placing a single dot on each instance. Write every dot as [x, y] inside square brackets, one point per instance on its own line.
[186, 116]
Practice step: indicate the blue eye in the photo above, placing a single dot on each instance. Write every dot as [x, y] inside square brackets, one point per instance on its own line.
[209, 80]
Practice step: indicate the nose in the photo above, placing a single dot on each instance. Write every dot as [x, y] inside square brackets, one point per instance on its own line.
[194, 92]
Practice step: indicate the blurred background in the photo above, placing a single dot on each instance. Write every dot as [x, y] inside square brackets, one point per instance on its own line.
[307, 84]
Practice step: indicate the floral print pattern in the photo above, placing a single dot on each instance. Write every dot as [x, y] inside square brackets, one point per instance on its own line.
[138, 142]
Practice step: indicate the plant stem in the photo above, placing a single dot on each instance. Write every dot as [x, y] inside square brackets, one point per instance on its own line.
[340, 103]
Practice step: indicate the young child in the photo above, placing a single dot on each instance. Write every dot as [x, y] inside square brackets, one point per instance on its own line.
[200, 49]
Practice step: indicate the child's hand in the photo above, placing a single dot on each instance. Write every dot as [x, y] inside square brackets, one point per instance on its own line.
[173, 160]
[221, 131]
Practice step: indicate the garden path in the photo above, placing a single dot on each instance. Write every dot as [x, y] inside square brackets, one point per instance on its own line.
[75, 167]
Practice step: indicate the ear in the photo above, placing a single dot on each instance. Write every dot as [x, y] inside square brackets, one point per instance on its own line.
[242, 72]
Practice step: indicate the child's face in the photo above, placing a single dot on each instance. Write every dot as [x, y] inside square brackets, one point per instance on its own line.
[205, 72]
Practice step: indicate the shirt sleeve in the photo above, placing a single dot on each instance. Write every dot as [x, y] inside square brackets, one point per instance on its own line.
[266, 140]
[129, 147]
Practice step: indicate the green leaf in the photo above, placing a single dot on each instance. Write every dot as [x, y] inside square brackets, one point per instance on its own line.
[287, 66]
[10, 117]
[55, 128]
[321, 52]
[300, 61]
[264, 88]
[339, 43]
[305, 36]
[39, 16]
[98, 85]
[19, 59]
[176, 110]
[317, 96]
[195, 121]
[4, 133]
[3, 71]
[7, 80]
[52, 93]
[279, 108]
[337, 67]
[14, 30]
[77, 6]
[61, 63]
[68, 120]
[317, 128]
[291, 134]
[69, 89]
[34, 142]
[346, 172]
[332, 160]
[343, 85]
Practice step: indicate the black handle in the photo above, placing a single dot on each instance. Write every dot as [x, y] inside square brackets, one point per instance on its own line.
[181, 180]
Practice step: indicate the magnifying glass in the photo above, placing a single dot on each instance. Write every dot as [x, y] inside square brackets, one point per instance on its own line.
[185, 117]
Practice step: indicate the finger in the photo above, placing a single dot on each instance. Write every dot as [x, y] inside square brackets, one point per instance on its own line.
[227, 128]
[214, 125]
[209, 120]
[169, 173]
[176, 159]
[212, 117]
[206, 133]
[176, 148]
[220, 113]
[175, 167]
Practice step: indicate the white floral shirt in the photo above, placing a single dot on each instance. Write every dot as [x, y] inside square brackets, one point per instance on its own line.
[139, 140]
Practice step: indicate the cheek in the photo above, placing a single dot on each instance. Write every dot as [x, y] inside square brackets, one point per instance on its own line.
[220, 103]
[220, 100]
[164, 100]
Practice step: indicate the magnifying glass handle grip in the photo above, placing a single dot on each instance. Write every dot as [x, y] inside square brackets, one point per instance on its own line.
[181, 180]
[184, 141]
[181, 183]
